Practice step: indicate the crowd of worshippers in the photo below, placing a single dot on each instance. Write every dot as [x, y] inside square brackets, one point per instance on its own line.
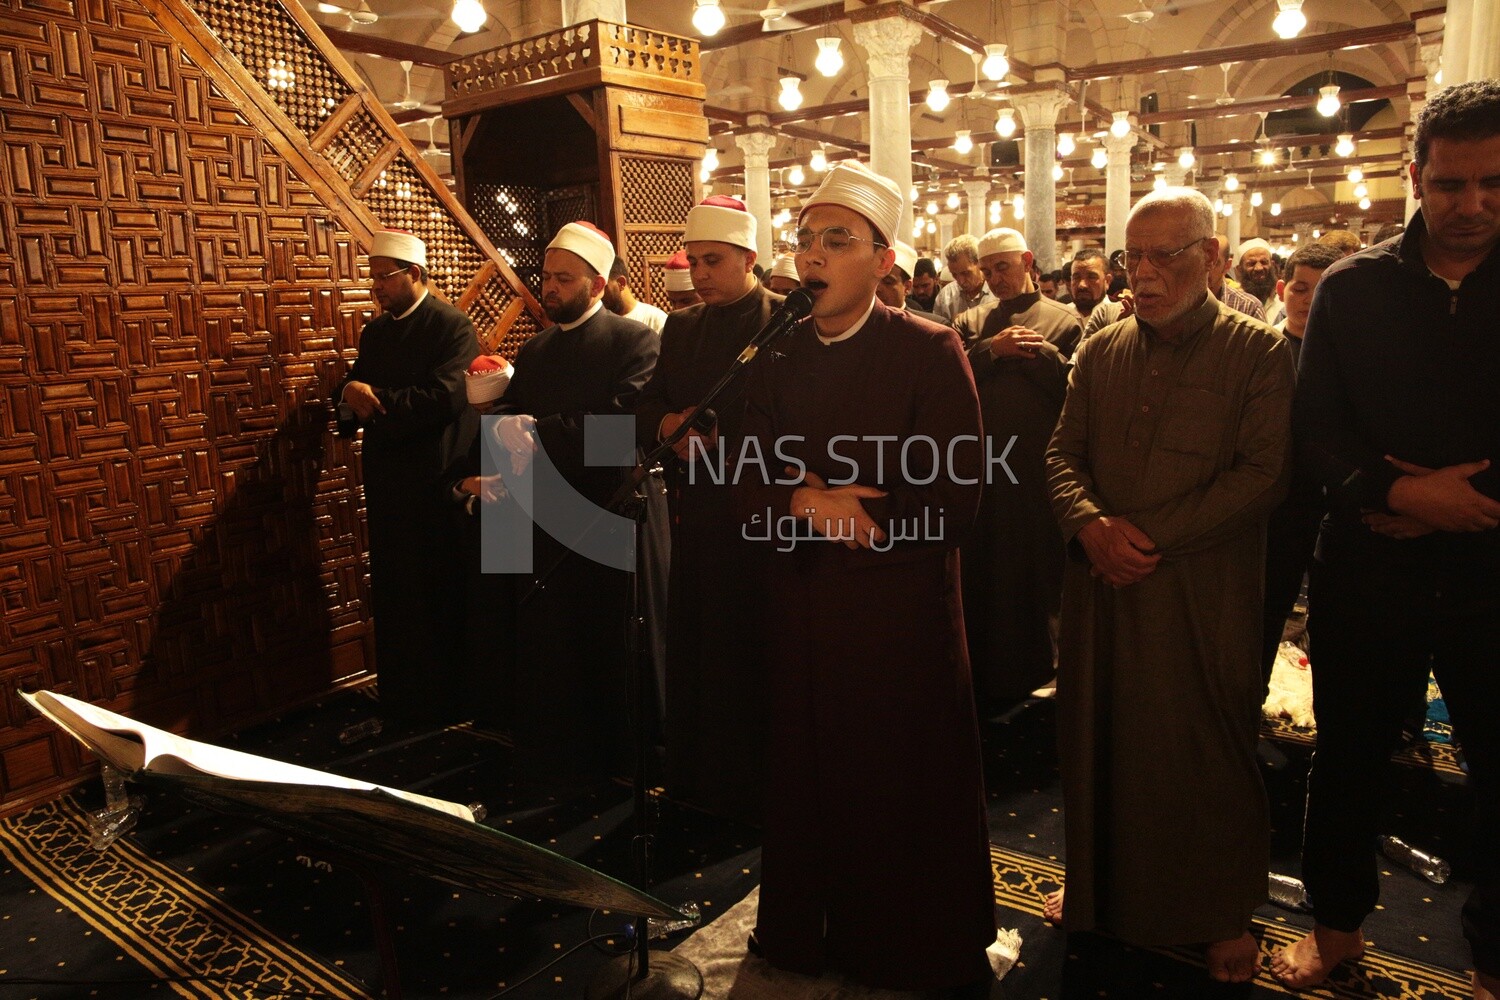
[926, 500]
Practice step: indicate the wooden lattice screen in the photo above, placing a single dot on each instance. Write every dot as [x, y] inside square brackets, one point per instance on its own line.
[186, 186]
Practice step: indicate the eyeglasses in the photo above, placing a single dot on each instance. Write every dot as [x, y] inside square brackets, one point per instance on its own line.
[389, 274]
[835, 240]
[1159, 258]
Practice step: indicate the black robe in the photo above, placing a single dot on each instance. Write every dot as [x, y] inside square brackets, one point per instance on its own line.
[875, 858]
[572, 680]
[416, 366]
[716, 673]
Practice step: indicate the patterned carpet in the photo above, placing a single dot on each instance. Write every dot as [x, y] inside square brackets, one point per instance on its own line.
[202, 905]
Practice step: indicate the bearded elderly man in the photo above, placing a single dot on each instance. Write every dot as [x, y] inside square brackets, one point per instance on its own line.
[1257, 273]
[570, 643]
[875, 859]
[1172, 450]
[716, 673]
[406, 389]
[1013, 562]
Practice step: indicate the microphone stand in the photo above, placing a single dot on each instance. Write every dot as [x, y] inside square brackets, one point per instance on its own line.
[640, 975]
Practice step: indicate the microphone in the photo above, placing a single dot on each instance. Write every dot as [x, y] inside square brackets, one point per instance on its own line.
[798, 304]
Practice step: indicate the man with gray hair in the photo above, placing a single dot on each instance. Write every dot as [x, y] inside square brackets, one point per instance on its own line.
[967, 289]
[1172, 449]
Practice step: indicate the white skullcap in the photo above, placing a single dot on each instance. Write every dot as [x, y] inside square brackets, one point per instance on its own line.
[676, 275]
[854, 186]
[587, 241]
[1255, 244]
[721, 219]
[1001, 241]
[785, 267]
[487, 378]
[398, 245]
[906, 259]
[945, 275]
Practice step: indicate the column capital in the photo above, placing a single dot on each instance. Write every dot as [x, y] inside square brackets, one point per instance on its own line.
[947, 218]
[887, 42]
[1118, 146]
[756, 145]
[976, 189]
[1432, 61]
[1039, 108]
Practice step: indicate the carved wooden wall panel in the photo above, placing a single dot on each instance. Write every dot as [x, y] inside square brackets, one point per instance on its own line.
[180, 291]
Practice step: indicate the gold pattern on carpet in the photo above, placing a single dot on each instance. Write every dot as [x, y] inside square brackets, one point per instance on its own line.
[169, 924]
[1021, 880]
[1439, 757]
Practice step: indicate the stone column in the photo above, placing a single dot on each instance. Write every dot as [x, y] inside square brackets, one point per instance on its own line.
[888, 43]
[574, 11]
[757, 147]
[1484, 41]
[978, 221]
[1116, 190]
[945, 228]
[1232, 227]
[1457, 27]
[1038, 109]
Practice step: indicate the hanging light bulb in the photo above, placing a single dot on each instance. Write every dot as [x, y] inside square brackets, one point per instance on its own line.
[961, 141]
[1276, 208]
[1231, 182]
[1267, 156]
[1018, 206]
[1364, 204]
[1289, 18]
[708, 17]
[829, 60]
[1356, 174]
[1065, 144]
[952, 201]
[1361, 191]
[711, 158]
[1160, 183]
[918, 228]
[1227, 210]
[1317, 233]
[819, 161]
[937, 95]
[931, 227]
[1294, 237]
[1218, 205]
[1345, 145]
[995, 209]
[1120, 127]
[1185, 158]
[1256, 199]
[791, 93]
[1100, 158]
[931, 207]
[469, 15]
[1057, 171]
[915, 194]
[1328, 100]
[704, 175]
[1005, 124]
[795, 175]
[995, 65]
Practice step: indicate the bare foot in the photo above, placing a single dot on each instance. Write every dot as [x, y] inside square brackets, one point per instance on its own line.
[1486, 987]
[1234, 961]
[1308, 961]
[1052, 905]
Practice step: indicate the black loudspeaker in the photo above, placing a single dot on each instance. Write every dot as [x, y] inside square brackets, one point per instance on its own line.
[1150, 104]
[1005, 153]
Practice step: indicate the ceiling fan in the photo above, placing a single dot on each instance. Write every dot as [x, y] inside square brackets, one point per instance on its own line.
[432, 152]
[773, 16]
[407, 102]
[1140, 15]
[358, 14]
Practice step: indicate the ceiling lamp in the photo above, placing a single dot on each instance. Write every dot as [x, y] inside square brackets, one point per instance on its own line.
[708, 18]
[937, 95]
[829, 60]
[931, 227]
[1364, 203]
[1231, 182]
[1267, 156]
[795, 175]
[790, 97]
[915, 194]
[995, 66]
[995, 209]
[1100, 158]
[952, 199]
[469, 15]
[1065, 144]
[1276, 209]
[1289, 18]
[819, 161]
[1361, 191]
[1185, 158]
[1345, 145]
[918, 229]
[1160, 183]
[1120, 127]
[1356, 174]
[932, 208]
[1005, 124]
[1018, 206]
[961, 141]
[1227, 210]
[1328, 100]
[1218, 205]
[1256, 199]
[711, 158]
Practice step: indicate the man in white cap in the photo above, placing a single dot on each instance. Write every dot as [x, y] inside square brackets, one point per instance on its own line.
[677, 278]
[783, 276]
[571, 670]
[716, 672]
[406, 390]
[1013, 561]
[1173, 447]
[1257, 272]
[619, 298]
[875, 855]
[895, 288]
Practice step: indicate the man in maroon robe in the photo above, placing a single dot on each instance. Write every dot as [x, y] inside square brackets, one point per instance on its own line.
[866, 423]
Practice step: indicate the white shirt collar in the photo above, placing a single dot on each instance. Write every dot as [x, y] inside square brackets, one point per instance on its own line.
[413, 306]
[582, 319]
[853, 329]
